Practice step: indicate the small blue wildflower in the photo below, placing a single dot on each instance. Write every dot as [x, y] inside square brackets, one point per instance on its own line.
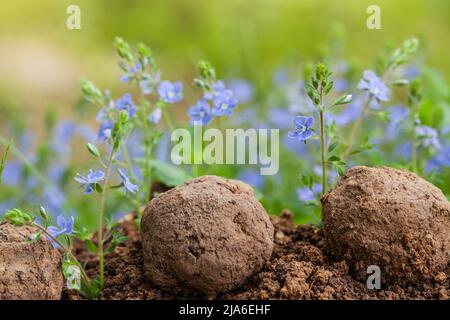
[442, 159]
[146, 87]
[155, 116]
[280, 117]
[132, 71]
[65, 226]
[170, 92]
[105, 131]
[200, 113]
[224, 102]
[398, 114]
[303, 130]
[243, 90]
[371, 83]
[252, 177]
[129, 186]
[89, 181]
[305, 194]
[429, 137]
[126, 103]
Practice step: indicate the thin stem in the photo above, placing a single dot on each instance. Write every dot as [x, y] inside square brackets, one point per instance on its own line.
[100, 251]
[67, 251]
[322, 149]
[147, 144]
[356, 127]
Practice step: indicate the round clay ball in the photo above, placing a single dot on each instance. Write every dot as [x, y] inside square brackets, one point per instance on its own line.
[28, 271]
[209, 234]
[389, 218]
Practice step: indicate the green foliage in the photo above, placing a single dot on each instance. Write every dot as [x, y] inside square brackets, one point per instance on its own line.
[18, 217]
[3, 160]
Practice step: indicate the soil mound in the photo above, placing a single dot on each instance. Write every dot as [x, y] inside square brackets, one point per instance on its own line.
[300, 268]
[209, 234]
[28, 271]
[389, 218]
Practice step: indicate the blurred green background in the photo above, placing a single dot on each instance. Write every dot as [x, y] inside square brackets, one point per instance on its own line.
[41, 61]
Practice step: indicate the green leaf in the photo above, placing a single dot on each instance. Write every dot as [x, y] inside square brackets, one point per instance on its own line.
[93, 150]
[332, 147]
[34, 237]
[400, 82]
[18, 217]
[91, 245]
[3, 162]
[344, 99]
[98, 188]
[334, 159]
[169, 174]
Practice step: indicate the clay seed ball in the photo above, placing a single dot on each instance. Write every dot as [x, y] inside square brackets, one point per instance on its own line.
[389, 218]
[28, 271]
[209, 235]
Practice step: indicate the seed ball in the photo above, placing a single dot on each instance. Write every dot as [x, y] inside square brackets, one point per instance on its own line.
[209, 235]
[28, 271]
[389, 218]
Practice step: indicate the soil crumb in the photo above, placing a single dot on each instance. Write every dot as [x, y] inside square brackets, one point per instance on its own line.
[300, 268]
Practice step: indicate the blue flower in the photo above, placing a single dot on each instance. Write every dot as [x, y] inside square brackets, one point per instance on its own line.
[105, 131]
[397, 114]
[200, 113]
[224, 102]
[89, 181]
[305, 194]
[146, 87]
[129, 186]
[65, 226]
[429, 137]
[242, 89]
[155, 116]
[252, 177]
[442, 159]
[170, 92]
[126, 103]
[303, 130]
[132, 71]
[371, 83]
[280, 117]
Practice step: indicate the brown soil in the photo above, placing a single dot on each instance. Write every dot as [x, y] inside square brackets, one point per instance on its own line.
[28, 270]
[300, 268]
[209, 234]
[390, 218]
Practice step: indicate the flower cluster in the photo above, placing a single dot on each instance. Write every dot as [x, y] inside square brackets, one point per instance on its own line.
[216, 101]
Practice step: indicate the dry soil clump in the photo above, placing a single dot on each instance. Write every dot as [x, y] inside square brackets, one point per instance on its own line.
[28, 270]
[389, 218]
[210, 234]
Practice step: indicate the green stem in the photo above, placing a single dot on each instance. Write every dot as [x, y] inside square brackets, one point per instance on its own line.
[322, 149]
[67, 251]
[100, 251]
